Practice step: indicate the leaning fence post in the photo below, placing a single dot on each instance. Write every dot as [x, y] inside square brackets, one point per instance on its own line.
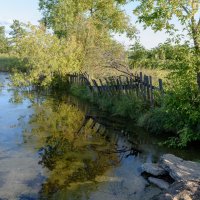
[102, 86]
[198, 80]
[151, 92]
[145, 87]
[148, 88]
[118, 85]
[141, 83]
[96, 85]
[141, 77]
[108, 89]
[161, 86]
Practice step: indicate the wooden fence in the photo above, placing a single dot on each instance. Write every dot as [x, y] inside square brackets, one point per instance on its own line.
[139, 84]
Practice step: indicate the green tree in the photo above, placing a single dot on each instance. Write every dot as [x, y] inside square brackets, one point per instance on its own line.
[18, 29]
[4, 45]
[137, 56]
[182, 101]
[62, 15]
[158, 15]
[92, 23]
[81, 40]
[43, 56]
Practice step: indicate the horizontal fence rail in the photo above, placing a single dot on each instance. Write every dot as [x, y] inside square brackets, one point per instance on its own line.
[139, 84]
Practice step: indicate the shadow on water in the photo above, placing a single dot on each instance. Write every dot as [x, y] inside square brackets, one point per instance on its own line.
[71, 150]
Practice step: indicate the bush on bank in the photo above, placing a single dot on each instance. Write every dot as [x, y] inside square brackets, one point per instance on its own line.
[176, 116]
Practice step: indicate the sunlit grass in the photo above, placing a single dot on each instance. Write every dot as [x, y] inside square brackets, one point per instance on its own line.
[154, 73]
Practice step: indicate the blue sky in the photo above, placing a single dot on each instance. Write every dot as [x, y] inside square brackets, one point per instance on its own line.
[23, 10]
[27, 10]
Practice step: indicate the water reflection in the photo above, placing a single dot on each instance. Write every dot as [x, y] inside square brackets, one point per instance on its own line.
[72, 146]
[55, 147]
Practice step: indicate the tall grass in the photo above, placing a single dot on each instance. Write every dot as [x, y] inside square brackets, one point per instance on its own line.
[128, 106]
[6, 62]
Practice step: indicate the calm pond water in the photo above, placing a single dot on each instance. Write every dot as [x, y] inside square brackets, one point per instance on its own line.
[64, 149]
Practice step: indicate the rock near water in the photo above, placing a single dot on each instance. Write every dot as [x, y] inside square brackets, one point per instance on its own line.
[159, 182]
[153, 169]
[185, 173]
[179, 169]
[181, 190]
[187, 179]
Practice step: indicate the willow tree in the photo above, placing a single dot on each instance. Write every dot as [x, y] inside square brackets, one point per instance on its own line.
[43, 57]
[63, 15]
[80, 39]
[92, 22]
[158, 14]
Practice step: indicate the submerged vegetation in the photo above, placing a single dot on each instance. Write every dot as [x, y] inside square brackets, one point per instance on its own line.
[77, 36]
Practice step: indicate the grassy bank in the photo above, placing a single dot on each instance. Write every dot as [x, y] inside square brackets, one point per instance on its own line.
[163, 119]
[128, 106]
[6, 62]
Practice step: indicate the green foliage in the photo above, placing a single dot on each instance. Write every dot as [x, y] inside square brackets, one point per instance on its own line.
[80, 91]
[128, 106]
[82, 41]
[18, 29]
[4, 44]
[155, 121]
[42, 56]
[91, 23]
[165, 56]
[7, 62]
[138, 56]
[183, 107]
[63, 16]
[158, 15]
[180, 109]
[104, 102]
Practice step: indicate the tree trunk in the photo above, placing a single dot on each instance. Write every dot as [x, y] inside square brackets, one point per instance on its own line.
[195, 35]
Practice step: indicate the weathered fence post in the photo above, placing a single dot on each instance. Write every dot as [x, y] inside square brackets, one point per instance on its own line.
[148, 88]
[102, 86]
[161, 86]
[151, 92]
[141, 83]
[87, 81]
[141, 77]
[145, 87]
[118, 85]
[108, 86]
[127, 85]
[96, 85]
[198, 80]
